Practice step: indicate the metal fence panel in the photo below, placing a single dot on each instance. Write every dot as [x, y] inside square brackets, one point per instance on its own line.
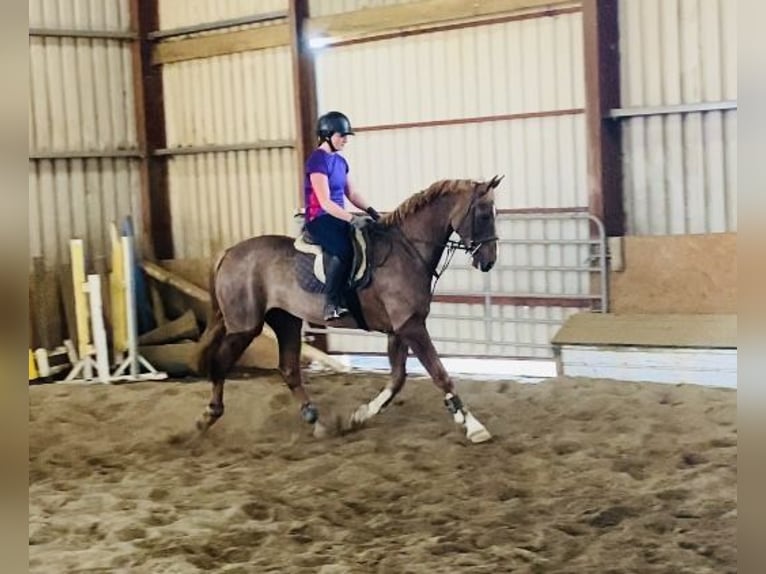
[549, 267]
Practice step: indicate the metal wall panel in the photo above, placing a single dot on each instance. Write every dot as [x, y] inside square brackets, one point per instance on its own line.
[80, 14]
[680, 169]
[507, 68]
[81, 99]
[329, 7]
[218, 199]
[179, 13]
[469, 72]
[79, 198]
[520, 67]
[543, 160]
[233, 99]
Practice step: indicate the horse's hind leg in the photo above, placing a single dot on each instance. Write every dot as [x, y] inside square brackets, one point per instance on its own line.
[228, 352]
[288, 330]
[397, 358]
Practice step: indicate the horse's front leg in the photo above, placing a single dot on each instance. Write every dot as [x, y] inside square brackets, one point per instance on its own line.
[416, 336]
[397, 358]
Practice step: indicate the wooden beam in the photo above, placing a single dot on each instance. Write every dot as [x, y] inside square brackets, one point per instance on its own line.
[221, 44]
[150, 129]
[355, 24]
[459, 25]
[373, 21]
[159, 273]
[602, 86]
[471, 120]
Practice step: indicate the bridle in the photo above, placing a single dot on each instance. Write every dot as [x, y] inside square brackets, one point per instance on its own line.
[474, 244]
[451, 245]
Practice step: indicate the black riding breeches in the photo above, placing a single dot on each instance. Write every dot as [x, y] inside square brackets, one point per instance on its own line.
[333, 235]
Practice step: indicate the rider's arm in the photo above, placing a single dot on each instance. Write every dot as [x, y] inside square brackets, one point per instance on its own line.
[354, 196]
[321, 187]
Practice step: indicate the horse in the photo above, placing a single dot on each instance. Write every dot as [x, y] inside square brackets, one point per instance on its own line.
[255, 282]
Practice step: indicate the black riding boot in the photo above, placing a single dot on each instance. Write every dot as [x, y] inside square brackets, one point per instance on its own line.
[335, 277]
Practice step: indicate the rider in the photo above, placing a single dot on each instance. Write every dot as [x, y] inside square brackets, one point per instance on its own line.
[326, 186]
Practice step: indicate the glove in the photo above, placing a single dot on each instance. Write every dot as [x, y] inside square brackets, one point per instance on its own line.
[373, 213]
[360, 221]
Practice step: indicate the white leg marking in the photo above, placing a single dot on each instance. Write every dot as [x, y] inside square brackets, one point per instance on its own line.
[377, 403]
[369, 410]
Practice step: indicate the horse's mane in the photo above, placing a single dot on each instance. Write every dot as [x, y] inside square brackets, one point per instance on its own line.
[419, 200]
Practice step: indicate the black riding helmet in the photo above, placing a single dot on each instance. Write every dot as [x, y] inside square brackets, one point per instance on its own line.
[332, 123]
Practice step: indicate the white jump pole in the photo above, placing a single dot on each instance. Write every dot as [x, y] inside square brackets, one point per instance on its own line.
[98, 331]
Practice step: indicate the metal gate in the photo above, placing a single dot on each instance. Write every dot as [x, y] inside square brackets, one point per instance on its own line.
[551, 264]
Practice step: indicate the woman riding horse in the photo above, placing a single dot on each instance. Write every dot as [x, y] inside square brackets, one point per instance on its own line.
[326, 185]
[255, 283]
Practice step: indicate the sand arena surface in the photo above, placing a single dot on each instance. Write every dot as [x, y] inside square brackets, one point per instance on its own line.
[582, 476]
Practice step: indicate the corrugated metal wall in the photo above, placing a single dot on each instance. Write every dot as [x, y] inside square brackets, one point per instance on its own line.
[179, 13]
[219, 198]
[81, 100]
[520, 67]
[328, 7]
[680, 169]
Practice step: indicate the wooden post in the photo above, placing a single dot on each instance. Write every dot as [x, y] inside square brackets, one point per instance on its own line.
[602, 84]
[304, 81]
[305, 99]
[150, 129]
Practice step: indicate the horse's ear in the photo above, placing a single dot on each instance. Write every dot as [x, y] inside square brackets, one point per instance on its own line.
[491, 184]
[495, 181]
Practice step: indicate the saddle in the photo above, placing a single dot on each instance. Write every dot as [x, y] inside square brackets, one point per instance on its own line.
[310, 262]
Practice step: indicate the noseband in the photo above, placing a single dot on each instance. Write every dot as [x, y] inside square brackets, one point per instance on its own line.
[474, 244]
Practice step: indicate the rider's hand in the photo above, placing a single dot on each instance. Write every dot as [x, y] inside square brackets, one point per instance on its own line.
[360, 221]
[372, 212]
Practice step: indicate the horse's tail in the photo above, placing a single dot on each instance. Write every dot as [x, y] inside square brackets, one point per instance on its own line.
[214, 329]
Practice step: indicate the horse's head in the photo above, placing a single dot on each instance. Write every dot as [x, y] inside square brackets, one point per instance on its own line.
[474, 222]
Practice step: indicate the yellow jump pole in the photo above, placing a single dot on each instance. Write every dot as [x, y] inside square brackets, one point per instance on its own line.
[33, 374]
[117, 290]
[81, 305]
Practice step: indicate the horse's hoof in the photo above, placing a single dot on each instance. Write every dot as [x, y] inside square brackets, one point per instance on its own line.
[474, 430]
[320, 431]
[359, 417]
[479, 435]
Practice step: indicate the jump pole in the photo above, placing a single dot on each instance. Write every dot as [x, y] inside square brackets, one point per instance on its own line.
[85, 363]
[130, 369]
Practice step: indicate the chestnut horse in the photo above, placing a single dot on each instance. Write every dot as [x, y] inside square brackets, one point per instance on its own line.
[255, 282]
